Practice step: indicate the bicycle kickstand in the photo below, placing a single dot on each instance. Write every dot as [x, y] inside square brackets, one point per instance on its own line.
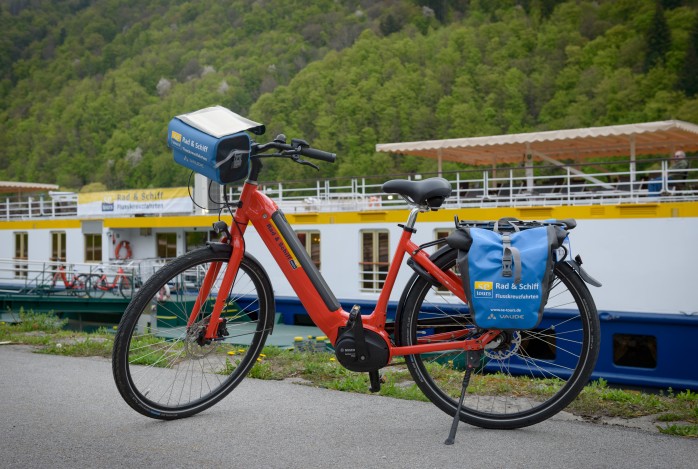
[472, 358]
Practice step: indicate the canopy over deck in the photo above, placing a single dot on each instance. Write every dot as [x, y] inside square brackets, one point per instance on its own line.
[656, 138]
[14, 187]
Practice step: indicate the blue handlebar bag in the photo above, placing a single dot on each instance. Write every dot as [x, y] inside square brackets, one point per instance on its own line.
[213, 142]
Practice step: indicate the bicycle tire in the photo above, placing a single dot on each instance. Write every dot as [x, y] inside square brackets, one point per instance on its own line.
[96, 286]
[126, 287]
[529, 377]
[159, 368]
[79, 287]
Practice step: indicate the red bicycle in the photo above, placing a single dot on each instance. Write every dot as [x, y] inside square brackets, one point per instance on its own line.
[99, 284]
[77, 285]
[187, 352]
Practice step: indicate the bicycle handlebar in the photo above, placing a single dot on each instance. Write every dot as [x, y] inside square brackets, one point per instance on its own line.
[319, 154]
[297, 149]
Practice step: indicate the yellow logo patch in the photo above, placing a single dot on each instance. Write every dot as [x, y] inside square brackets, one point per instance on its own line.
[176, 136]
[483, 286]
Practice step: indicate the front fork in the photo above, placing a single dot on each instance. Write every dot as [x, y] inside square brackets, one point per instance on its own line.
[213, 327]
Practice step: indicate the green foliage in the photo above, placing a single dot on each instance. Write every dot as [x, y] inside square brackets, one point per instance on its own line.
[658, 39]
[680, 430]
[688, 78]
[87, 87]
[29, 321]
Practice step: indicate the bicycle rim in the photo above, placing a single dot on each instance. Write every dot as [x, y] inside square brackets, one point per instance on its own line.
[528, 377]
[79, 286]
[162, 367]
[126, 287]
[96, 286]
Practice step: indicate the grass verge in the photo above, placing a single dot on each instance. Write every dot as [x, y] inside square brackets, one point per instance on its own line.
[677, 412]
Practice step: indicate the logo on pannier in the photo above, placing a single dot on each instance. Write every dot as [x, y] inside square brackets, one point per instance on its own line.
[176, 136]
[483, 289]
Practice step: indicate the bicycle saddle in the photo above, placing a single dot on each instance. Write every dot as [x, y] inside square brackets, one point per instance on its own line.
[431, 192]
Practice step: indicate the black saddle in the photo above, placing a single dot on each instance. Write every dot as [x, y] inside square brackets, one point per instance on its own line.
[431, 192]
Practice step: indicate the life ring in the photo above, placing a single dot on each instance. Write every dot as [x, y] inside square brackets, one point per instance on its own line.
[125, 245]
[163, 294]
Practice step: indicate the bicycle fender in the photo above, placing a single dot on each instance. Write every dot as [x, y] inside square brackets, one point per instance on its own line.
[228, 249]
[576, 264]
[220, 247]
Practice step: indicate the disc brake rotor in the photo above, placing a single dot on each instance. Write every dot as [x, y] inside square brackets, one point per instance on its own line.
[194, 342]
[507, 349]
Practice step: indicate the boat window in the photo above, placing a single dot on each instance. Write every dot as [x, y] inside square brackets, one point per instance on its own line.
[93, 248]
[311, 241]
[639, 351]
[374, 263]
[21, 254]
[198, 239]
[538, 344]
[58, 246]
[441, 233]
[167, 245]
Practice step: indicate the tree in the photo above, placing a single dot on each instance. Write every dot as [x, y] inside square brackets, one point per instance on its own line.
[658, 39]
[688, 76]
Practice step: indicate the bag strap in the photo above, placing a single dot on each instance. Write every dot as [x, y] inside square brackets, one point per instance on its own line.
[509, 254]
[233, 153]
[505, 220]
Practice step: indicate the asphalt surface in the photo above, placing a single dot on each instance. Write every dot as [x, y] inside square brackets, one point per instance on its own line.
[62, 412]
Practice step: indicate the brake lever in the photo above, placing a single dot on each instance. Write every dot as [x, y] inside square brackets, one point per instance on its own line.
[306, 163]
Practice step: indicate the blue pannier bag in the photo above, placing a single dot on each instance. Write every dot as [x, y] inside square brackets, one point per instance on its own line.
[213, 142]
[506, 271]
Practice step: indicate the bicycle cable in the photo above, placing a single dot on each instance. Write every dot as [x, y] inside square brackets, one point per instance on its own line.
[193, 199]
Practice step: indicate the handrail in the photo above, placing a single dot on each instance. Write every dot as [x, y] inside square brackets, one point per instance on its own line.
[471, 188]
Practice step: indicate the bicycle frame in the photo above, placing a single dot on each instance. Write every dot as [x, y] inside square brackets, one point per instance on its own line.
[114, 284]
[61, 274]
[256, 208]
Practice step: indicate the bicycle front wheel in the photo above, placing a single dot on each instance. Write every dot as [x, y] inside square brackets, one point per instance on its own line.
[126, 287]
[96, 286]
[163, 367]
[524, 377]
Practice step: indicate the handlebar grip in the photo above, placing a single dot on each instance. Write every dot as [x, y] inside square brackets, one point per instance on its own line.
[319, 154]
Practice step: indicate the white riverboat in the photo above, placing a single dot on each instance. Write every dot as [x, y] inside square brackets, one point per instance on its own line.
[636, 230]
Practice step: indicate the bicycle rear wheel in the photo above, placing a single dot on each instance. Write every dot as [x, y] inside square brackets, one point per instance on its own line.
[80, 286]
[163, 368]
[527, 376]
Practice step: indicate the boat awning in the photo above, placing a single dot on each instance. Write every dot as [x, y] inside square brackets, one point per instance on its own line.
[651, 138]
[13, 187]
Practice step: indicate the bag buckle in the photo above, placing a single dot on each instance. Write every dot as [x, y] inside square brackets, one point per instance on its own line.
[506, 263]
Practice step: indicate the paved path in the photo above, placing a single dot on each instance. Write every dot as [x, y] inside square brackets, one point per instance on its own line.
[63, 412]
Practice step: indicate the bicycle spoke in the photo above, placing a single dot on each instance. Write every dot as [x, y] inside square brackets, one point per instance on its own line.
[522, 374]
[171, 366]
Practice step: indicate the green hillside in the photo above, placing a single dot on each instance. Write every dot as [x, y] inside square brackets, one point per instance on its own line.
[87, 87]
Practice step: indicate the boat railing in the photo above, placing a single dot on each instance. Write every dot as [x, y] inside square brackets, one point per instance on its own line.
[29, 277]
[588, 184]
